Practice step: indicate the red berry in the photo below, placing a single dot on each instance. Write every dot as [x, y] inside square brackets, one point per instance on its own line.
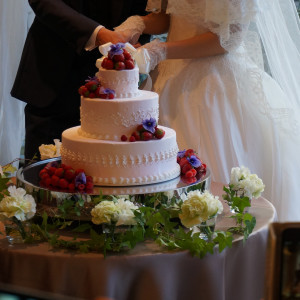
[191, 173]
[54, 180]
[63, 183]
[123, 138]
[185, 168]
[140, 128]
[44, 177]
[51, 170]
[111, 96]
[119, 66]
[118, 58]
[129, 64]
[89, 186]
[89, 179]
[91, 85]
[59, 172]
[188, 180]
[132, 139]
[92, 95]
[81, 187]
[82, 90]
[146, 136]
[136, 135]
[109, 64]
[71, 186]
[47, 182]
[103, 96]
[103, 63]
[97, 92]
[69, 174]
[189, 153]
[183, 161]
[42, 172]
[126, 54]
[159, 133]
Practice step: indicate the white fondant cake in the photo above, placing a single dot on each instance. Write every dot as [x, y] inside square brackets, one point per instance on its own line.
[96, 145]
[109, 119]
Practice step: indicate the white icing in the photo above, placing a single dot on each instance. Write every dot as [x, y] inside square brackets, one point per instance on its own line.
[122, 163]
[105, 119]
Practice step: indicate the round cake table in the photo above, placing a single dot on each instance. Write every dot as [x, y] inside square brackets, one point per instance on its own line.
[148, 271]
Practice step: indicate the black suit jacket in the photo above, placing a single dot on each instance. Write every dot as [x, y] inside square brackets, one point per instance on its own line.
[54, 54]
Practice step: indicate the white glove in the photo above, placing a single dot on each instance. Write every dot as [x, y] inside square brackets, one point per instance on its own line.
[149, 55]
[132, 28]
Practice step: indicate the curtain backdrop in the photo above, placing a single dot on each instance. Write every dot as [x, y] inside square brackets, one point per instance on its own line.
[16, 17]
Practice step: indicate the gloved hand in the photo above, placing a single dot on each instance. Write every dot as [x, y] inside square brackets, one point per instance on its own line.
[132, 28]
[149, 55]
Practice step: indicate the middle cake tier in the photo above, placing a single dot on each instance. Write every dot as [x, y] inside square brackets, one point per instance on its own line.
[105, 119]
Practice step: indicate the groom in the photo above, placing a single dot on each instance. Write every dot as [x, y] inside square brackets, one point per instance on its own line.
[59, 55]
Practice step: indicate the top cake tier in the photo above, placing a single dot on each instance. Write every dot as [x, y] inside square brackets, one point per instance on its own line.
[124, 83]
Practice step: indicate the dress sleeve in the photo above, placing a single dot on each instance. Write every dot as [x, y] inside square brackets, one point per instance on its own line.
[230, 19]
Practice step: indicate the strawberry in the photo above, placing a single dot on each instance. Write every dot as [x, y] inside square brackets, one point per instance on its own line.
[118, 58]
[51, 170]
[63, 183]
[126, 54]
[89, 186]
[69, 174]
[103, 96]
[97, 92]
[146, 136]
[91, 85]
[136, 135]
[129, 64]
[189, 153]
[111, 96]
[82, 90]
[55, 180]
[159, 133]
[191, 173]
[59, 172]
[109, 64]
[71, 186]
[132, 139]
[89, 179]
[92, 95]
[188, 180]
[185, 168]
[140, 128]
[47, 182]
[103, 63]
[119, 66]
[42, 172]
[44, 177]
[183, 161]
[123, 138]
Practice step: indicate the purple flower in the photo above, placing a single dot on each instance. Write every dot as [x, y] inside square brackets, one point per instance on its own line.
[194, 161]
[181, 154]
[92, 79]
[149, 124]
[106, 91]
[116, 49]
[80, 179]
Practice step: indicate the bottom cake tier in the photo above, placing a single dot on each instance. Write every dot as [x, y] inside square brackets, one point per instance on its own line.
[112, 163]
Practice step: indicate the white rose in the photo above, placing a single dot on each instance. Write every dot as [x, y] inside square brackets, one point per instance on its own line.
[104, 212]
[47, 151]
[125, 212]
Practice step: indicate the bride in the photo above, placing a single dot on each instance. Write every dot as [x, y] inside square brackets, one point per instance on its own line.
[229, 84]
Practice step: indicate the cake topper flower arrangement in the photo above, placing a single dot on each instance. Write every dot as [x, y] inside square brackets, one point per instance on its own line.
[93, 89]
[118, 58]
[147, 130]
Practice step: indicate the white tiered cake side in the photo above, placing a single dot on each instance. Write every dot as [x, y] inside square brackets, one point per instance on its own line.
[122, 163]
[116, 117]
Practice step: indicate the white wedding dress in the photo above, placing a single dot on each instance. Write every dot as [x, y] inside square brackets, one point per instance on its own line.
[227, 107]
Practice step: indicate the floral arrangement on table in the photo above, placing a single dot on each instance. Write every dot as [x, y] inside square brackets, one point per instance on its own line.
[118, 223]
[243, 186]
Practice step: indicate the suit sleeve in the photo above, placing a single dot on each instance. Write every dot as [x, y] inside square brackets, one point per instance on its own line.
[73, 27]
